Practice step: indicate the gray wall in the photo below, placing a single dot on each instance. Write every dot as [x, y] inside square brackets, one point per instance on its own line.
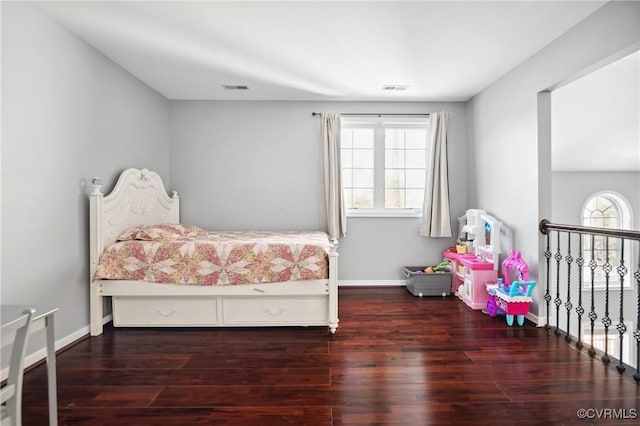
[509, 169]
[257, 165]
[570, 191]
[68, 113]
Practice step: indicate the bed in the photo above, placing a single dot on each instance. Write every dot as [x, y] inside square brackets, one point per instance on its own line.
[139, 201]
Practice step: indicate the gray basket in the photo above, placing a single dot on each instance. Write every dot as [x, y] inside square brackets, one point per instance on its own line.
[420, 283]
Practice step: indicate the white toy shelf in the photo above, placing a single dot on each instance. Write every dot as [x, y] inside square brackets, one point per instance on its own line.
[476, 267]
[484, 230]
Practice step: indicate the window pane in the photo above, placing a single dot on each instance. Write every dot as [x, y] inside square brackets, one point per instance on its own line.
[394, 198]
[363, 178]
[394, 158]
[363, 138]
[414, 198]
[346, 158]
[602, 203]
[405, 168]
[597, 219]
[416, 138]
[363, 198]
[610, 222]
[346, 138]
[591, 205]
[363, 158]
[416, 158]
[598, 277]
[602, 211]
[347, 178]
[416, 178]
[394, 138]
[609, 211]
[394, 179]
[403, 146]
[348, 199]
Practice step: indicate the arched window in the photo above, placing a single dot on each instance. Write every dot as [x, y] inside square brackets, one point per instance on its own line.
[605, 210]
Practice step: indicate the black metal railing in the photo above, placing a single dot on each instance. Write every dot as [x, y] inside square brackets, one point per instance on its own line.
[588, 266]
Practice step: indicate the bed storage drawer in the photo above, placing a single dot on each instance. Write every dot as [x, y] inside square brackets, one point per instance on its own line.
[176, 311]
[274, 310]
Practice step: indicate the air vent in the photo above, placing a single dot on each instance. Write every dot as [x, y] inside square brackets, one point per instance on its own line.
[235, 87]
[395, 87]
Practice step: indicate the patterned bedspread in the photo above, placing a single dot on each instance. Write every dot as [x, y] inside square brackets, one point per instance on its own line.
[218, 258]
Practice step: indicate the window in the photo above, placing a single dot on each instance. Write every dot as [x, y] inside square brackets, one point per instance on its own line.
[605, 210]
[612, 339]
[384, 165]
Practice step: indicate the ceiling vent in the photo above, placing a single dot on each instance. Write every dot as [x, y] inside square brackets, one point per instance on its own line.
[235, 87]
[394, 87]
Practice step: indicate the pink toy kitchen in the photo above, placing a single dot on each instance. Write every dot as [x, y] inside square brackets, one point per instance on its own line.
[474, 259]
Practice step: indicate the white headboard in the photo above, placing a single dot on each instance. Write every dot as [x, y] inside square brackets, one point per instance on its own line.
[139, 198]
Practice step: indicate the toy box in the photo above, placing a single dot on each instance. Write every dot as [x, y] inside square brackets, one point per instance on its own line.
[420, 283]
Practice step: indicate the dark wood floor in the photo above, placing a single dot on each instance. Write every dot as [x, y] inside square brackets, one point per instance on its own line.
[396, 359]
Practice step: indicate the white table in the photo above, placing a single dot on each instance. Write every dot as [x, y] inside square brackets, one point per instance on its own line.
[43, 318]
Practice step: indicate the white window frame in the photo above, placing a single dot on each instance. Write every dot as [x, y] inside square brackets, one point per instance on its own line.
[625, 215]
[379, 124]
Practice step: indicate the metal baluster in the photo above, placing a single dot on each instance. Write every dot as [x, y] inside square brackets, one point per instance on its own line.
[636, 333]
[621, 327]
[547, 295]
[557, 301]
[580, 309]
[592, 313]
[596, 263]
[568, 305]
[606, 321]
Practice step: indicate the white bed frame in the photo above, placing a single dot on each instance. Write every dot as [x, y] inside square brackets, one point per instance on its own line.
[140, 198]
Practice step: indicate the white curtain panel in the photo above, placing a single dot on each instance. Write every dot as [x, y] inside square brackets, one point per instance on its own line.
[334, 201]
[436, 221]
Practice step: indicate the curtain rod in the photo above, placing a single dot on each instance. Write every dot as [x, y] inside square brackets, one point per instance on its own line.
[378, 114]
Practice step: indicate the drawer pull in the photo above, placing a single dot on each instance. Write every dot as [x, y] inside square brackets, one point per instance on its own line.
[167, 313]
[274, 313]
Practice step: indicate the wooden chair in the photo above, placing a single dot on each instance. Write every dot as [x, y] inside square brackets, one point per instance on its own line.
[16, 334]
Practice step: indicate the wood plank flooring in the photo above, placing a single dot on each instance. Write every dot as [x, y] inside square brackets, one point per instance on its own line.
[395, 359]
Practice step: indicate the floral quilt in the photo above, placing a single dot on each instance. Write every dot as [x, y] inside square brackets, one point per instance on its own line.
[198, 257]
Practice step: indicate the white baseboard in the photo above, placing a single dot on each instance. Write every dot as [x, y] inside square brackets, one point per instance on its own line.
[371, 283]
[41, 354]
[540, 321]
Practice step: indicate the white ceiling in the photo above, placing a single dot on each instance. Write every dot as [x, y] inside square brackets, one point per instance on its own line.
[319, 50]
